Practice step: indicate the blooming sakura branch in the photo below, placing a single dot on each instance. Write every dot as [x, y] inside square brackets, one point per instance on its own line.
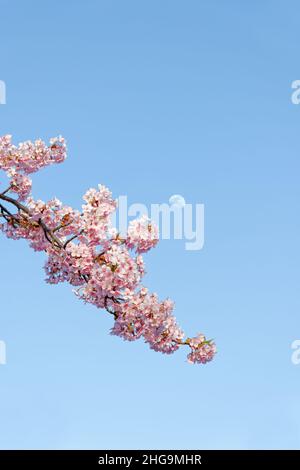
[83, 248]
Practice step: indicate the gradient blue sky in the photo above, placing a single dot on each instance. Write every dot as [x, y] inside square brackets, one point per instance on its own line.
[156, 98]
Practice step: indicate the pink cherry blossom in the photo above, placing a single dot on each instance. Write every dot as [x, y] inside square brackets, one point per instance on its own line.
[142, 235]
[85, 250]
[202, 350]
[20, 184]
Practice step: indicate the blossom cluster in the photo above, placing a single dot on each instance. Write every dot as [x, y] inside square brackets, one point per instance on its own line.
[85, 250]
[28, 157]
[202, 351]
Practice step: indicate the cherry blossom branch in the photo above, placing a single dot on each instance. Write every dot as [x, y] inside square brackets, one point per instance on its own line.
[16, 203]
[60, 226]
[106, 267]
[6, 214]
[48, 233]
[73, 238]
[6, 191]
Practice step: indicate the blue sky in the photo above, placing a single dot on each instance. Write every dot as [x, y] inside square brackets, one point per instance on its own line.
[159, 98]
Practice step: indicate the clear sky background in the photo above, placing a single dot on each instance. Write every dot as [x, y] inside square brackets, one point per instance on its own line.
[158, 98]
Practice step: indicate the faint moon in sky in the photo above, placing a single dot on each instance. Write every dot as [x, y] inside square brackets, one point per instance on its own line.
[177, 201]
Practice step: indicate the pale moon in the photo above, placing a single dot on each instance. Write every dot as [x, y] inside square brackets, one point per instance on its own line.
[177, 201]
